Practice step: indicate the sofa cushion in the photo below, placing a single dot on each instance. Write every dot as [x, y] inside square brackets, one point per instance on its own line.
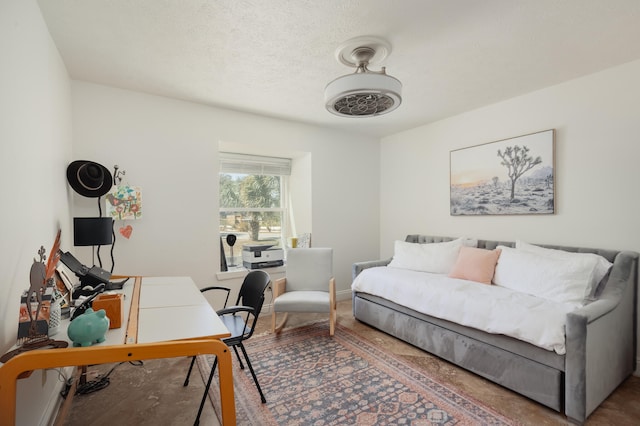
[601, 266]
[437, 258]
[475, 264]
[560, 280]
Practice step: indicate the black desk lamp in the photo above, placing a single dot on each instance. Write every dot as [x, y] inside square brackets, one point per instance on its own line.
[231, 240]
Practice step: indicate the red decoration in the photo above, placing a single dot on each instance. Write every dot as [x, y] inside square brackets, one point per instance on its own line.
[126, 231]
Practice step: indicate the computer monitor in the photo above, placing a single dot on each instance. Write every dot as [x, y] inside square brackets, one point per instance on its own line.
[92, 231]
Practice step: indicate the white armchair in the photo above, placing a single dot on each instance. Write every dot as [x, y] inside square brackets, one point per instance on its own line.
[308, 286]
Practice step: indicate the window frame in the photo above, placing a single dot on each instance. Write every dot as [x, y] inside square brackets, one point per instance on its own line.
[243, 164]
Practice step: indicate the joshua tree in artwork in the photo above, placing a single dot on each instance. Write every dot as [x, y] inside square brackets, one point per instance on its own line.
[517, 161]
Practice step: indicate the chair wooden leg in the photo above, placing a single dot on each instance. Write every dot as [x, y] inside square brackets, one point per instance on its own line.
[332, 321]
[332, 306]
[278, 328]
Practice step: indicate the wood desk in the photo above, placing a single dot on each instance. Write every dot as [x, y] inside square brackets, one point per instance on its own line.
[167, 317]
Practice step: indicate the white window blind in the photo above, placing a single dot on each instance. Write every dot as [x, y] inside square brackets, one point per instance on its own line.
[254, 164]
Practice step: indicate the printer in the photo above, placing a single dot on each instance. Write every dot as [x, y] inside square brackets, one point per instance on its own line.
[257, 256]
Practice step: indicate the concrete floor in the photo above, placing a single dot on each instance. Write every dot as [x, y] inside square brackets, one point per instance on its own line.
[153, 394]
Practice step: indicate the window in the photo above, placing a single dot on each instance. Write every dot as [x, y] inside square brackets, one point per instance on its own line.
[253, 200]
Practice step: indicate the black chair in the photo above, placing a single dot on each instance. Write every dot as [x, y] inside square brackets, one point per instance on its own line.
[240, 320]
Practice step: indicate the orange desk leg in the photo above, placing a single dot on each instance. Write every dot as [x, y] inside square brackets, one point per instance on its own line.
[227, 399]
[54, 358]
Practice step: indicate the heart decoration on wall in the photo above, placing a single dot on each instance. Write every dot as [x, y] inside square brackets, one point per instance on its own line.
[126, 231]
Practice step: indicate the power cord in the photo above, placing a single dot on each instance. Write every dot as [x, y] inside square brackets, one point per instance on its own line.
[99, 383]
[93, 386]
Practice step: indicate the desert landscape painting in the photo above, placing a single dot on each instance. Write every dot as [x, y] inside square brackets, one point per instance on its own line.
[507, 177]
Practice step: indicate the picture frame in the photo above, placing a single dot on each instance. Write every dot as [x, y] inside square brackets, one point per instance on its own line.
[514, 176]
[304, 240]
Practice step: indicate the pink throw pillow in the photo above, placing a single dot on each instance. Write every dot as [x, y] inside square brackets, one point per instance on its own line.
[475, 264]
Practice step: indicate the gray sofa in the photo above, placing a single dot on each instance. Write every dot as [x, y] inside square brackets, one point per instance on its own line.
[600, 339]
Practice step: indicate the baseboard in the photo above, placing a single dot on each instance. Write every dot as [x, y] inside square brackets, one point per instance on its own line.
[55, 401]
[343, 294]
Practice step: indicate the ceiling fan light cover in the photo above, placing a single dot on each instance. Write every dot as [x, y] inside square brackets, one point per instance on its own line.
[363, 95]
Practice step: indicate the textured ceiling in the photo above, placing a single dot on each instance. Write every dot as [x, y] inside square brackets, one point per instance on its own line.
[275, 57]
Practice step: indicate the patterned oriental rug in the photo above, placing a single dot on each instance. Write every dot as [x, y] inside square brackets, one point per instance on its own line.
[310, 378]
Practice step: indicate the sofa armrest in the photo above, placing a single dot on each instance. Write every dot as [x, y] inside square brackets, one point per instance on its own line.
[595, 310]
[600, 341]
[361, 266]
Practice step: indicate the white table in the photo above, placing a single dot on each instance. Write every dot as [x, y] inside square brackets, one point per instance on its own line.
[174, 309]
[167, 317]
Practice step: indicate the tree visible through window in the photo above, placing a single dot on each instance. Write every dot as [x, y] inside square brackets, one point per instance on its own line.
[252, 205]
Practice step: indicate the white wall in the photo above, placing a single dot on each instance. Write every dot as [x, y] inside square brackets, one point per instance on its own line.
[169, 148]
[597, 122]
[300, 187]
[35, 148]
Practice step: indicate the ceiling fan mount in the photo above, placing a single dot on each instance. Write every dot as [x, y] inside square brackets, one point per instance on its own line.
[364, 93]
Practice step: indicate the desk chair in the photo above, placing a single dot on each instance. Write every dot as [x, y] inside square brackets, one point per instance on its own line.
[240, 320]
[308, 286]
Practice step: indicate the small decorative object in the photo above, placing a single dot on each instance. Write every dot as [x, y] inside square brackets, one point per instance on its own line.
[304, 241]
[118, 174]
[113, 304]
[126, 231]
[507, 177]
[35, 306]
[89, 328]
[55, 314]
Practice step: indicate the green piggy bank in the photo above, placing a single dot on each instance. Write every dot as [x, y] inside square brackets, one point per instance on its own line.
[89, 328]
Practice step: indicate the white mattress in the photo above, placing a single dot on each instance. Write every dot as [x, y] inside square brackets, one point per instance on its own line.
[489, 308]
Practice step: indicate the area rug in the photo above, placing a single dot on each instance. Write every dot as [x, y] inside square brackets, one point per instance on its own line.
[310, 378]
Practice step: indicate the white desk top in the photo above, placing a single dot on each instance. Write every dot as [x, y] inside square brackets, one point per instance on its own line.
[172, 308]
[159, 292]
[178, 322]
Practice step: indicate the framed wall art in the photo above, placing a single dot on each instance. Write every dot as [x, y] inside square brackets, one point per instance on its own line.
[508, 177]
[124, 202]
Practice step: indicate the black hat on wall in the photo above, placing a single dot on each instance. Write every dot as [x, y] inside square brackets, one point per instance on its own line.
[89, 179]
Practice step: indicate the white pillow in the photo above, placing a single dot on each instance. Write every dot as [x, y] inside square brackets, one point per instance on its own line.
[437, 258]
[601, 266]
[560, 280]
